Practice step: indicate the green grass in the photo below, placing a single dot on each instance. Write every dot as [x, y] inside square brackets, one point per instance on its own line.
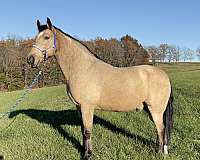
[46, 125]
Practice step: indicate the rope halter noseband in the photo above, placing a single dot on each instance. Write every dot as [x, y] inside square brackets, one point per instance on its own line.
[45, 51]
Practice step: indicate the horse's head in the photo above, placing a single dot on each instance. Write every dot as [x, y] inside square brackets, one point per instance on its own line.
[45, 44]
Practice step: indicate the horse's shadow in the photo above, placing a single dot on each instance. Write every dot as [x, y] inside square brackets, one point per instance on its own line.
[70, 117]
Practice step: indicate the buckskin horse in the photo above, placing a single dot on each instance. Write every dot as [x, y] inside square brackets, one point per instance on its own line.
[93, 84]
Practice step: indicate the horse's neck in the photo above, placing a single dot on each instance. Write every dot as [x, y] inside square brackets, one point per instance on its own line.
[71, 56]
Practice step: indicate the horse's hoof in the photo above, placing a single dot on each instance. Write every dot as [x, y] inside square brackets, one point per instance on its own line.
[1, 157]
[87, 155]
[165, 148]
[160, 150]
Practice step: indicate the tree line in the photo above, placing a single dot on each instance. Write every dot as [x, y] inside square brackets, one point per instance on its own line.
[123, 52]
[172, 53]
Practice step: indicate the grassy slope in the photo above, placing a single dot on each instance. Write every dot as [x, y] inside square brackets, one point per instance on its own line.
[47, 127]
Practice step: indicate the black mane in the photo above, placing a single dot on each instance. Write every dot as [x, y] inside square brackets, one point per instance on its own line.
[78, 42]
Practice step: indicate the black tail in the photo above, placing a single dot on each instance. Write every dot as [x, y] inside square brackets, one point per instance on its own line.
[168, 121]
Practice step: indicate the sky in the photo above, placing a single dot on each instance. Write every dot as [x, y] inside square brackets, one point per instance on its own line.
[151, 22]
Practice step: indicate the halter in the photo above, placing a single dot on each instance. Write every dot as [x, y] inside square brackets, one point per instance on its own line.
[44, 51]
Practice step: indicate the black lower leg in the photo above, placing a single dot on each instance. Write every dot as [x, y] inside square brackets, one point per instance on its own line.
[161, 148]
[87, 143]
[161, 142]
[1, 157]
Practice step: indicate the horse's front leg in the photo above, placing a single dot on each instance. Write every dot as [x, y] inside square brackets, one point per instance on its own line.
[87, 119]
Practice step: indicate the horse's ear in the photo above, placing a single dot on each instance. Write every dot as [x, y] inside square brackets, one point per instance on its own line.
[49, 24]
[38, 25]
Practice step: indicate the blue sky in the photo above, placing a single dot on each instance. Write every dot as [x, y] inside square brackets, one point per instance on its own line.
[152, 22]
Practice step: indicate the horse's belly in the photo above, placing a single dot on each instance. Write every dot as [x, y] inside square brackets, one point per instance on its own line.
[113, 108]
[121, 103]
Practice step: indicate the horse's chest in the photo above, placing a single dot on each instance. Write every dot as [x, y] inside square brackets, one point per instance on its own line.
[70, 95]
[85, 93]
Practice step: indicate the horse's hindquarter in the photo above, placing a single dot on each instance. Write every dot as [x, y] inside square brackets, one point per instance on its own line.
[159, 88]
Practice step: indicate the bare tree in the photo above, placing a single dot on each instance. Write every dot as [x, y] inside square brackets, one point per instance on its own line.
[154, 53]
[163, 50]
[7, 57]
[198, 52]
[191, 55]
[185, 51]
[177, 54]
[170, 53]
[167, 52]
[187, 54]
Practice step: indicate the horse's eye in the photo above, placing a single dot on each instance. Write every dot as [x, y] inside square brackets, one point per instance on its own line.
[46, 37]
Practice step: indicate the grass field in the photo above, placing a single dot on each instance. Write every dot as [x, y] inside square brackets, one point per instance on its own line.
[46, 125]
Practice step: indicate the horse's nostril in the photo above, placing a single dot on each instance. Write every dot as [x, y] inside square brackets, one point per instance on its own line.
[31, 60]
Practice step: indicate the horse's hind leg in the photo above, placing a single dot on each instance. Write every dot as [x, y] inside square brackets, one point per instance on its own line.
[158, 120]
[87, 119]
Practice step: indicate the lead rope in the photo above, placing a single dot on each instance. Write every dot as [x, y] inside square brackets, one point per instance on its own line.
[18, 101]
[23, 95]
